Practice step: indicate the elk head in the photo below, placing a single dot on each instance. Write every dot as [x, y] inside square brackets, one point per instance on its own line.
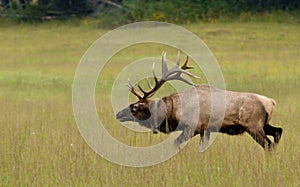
[145, 111]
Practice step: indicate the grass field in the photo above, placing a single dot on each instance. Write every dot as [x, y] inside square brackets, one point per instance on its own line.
[41, 145]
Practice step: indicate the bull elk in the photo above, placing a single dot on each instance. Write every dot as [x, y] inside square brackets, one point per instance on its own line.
[244, 112]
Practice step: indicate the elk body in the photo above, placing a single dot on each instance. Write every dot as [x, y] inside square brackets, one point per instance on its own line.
[190, 111]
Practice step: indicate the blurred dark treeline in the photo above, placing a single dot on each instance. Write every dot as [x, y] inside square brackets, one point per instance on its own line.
[125, 11]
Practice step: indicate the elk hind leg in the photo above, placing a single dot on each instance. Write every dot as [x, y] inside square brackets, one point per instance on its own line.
[260, 137]
[273, 131]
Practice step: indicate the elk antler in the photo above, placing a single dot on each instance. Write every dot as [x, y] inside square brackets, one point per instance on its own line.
[172, 74]
[132, 90]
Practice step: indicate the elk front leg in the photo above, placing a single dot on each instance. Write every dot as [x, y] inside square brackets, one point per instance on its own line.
[260, 137]
[204, 139]
[186, 134]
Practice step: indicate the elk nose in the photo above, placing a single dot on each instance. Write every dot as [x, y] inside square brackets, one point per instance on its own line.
[118, 115]
[124, 115]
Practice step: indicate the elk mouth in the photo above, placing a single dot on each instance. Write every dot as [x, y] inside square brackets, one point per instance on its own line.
[122, 118]
[124, 115]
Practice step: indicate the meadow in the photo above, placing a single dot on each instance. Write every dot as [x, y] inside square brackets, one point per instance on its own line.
[40, 143]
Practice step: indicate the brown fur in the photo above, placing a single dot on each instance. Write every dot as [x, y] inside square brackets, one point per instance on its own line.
[245, 112]
[201, 110]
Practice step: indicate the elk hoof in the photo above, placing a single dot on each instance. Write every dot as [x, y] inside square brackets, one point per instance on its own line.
[270, 147]
[278, 135]
[155, 131]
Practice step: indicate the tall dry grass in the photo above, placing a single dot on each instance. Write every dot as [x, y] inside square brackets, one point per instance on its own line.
[41, 145]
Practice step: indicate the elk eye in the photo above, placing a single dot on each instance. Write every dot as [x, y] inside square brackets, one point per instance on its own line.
[134, 108]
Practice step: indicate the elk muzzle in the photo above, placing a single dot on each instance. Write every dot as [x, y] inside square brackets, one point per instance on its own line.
[125, 115]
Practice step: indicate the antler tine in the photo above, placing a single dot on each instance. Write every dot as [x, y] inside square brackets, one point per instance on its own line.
[154, 75]
[178, 59]
[180, 71]
[164, 66]
[181, 79]
[141, 89]
[149, 84]
[185, 66]
[178, 77]
[132, 90]
[172, 74]
[177, 71]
